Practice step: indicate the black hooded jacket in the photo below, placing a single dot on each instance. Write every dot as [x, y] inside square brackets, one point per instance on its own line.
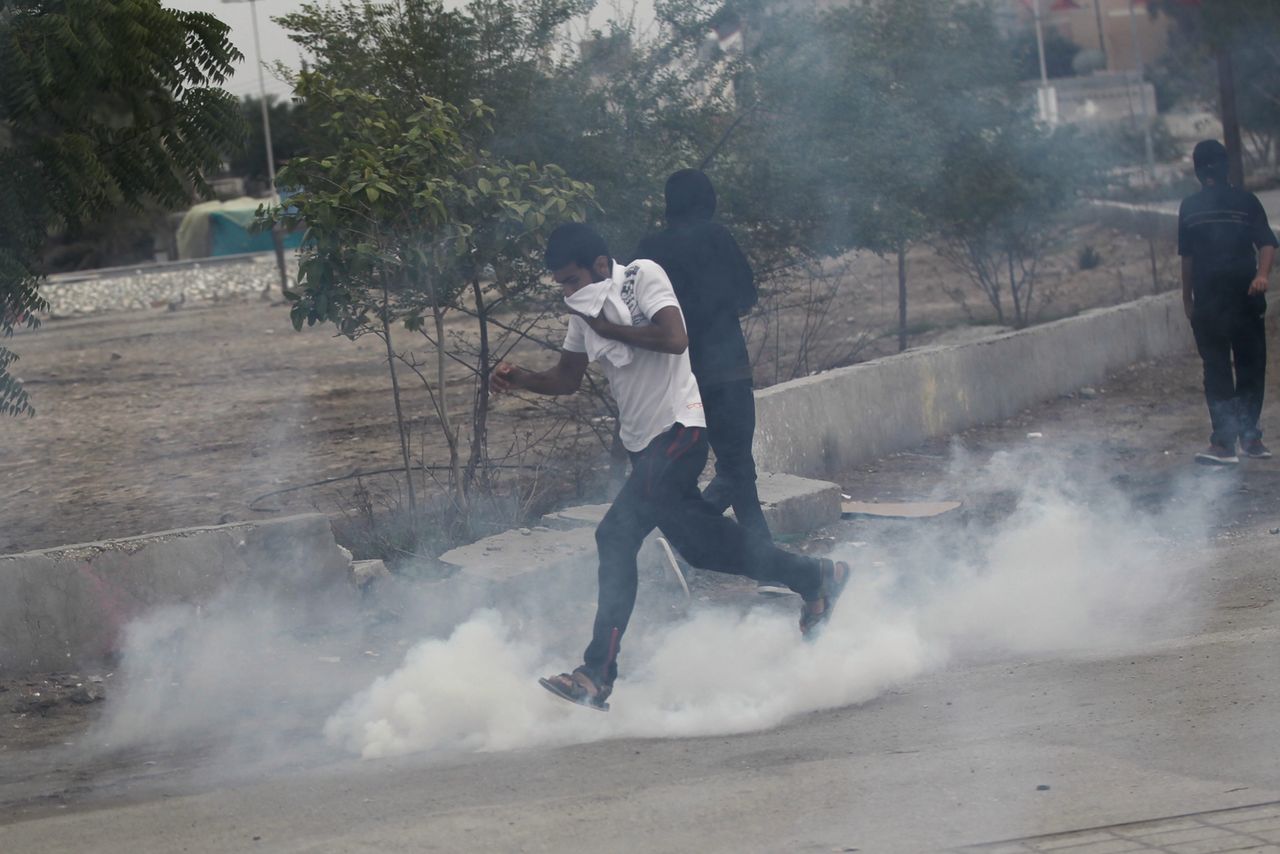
[711, 277]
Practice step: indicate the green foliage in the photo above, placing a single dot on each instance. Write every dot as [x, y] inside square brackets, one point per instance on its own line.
[1249, 30]
[501, 52]
[1002, 196]
[249, 159]
[103, 104]
[405, 215]
[1059, 54]
[827, 131]
[414, 206]
[1089, 258]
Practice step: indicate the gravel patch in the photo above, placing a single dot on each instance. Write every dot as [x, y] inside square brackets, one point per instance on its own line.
[171, 286]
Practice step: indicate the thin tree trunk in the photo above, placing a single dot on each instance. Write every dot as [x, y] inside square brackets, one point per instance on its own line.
[395, 395]
[479, 434]
[1155, 275]
[446, 424]
[902, 297]
[1018, 319]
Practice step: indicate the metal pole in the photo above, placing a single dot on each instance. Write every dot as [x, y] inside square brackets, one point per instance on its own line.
[262, 93]
[1230, 117]
[1102, 39]
[1142, 92]
[1150, 168]
[1044, 68]
[1047, 112]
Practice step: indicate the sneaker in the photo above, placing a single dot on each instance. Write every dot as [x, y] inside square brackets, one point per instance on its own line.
[1255, 449]
[815, 612]
[1217, 455]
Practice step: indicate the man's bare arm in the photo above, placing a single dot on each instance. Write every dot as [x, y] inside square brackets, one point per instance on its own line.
[564, 378]
[1266, 257]
[666, 334]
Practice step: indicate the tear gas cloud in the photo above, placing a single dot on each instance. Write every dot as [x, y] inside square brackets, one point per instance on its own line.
[1072, 565]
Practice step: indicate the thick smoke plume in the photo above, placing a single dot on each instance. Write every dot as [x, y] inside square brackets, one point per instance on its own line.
[1074, 565]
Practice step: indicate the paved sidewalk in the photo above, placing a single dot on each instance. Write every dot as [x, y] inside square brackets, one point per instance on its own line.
[1253, 828]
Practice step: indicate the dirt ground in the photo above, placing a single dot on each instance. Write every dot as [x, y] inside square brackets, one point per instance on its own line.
[154, 420]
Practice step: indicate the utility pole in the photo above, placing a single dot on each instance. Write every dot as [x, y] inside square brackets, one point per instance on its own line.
[277, 239]
[262, 92]
[1102, 39]
[1047, 101]
[1150, 168]
[1142, 91]
[1230, 117]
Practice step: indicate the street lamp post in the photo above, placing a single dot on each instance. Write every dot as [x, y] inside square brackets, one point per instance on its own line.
[1150, 165]
[1048, 98]
[277, 239]
[262, 92]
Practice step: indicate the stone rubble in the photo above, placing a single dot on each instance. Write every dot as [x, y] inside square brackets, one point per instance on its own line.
[131, 289]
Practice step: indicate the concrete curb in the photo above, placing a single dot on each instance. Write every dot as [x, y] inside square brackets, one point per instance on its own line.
[64, 606]
[818, 425]
[791, 505]
[559, 557]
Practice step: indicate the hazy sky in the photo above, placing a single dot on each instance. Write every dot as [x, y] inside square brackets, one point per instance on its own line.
[276, 45]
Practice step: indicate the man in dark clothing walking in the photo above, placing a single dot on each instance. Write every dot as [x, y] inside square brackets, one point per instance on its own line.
[715, 286]
[1227, 249]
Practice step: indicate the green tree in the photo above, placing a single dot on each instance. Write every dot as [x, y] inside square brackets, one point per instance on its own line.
[249, 159]
[103, 104]
[1002, 196]
[1248, 31]
[859, 107]
[407, 218]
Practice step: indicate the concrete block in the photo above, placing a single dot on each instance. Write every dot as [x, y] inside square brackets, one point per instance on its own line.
[530, 571]
[60, 607]
[833, 421]
[367, 572]
[512, 555]
[582, 516]
[791, 505]
[795, 505]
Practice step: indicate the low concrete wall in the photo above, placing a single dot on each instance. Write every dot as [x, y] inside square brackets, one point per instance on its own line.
[820, 425]
[65, 606]
[1151, 222]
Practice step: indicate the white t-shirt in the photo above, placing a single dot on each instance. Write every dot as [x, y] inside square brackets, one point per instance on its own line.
[655, 390]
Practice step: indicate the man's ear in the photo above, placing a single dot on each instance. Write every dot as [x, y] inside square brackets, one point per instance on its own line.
[603, 267]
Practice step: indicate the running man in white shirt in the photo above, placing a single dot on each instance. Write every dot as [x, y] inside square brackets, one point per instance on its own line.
[664, 431]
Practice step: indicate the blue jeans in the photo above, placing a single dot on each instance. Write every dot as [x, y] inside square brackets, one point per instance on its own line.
[662, 492]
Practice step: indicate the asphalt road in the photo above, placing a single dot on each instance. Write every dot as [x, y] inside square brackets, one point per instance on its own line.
[1183, 724]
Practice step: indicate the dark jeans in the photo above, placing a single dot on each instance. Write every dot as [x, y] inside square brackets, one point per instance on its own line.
[730, 409]
[662, 492]
[1227, 337]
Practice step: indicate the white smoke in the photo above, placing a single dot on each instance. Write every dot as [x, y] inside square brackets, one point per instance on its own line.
[1074, 566]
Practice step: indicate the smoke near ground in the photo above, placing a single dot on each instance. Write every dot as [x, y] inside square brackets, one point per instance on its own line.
[1049, 558]
[1073, 566]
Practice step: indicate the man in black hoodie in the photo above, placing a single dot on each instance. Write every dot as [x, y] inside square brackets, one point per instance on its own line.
[715, 286]
[1227, 248]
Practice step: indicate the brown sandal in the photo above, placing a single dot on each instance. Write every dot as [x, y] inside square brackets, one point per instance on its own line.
[815, 612]
[578, 687]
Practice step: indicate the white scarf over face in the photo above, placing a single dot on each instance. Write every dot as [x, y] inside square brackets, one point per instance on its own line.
[603, 298]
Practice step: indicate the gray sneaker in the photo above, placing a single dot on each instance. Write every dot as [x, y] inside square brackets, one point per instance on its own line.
[1217, 455]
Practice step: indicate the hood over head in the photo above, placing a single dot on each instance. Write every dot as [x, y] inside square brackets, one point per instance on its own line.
[690, 196]
[1210, 161]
